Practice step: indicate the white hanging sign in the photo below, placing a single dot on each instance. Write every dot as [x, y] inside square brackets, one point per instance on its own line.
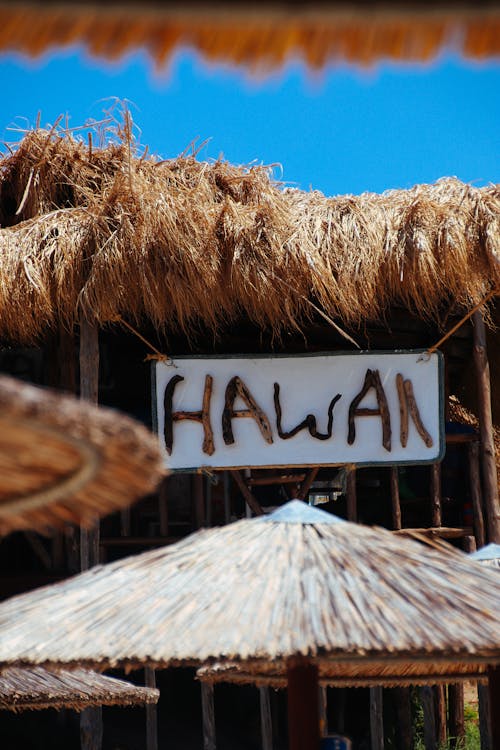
[305, 410]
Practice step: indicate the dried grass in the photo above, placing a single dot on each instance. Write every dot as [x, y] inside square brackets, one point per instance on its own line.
[260, 591]
[65, 461]
[23, 688]
[183, 243]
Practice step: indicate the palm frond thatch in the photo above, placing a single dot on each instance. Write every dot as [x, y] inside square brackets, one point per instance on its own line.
[298, 582]
[23, 688]
[183, 242]
[65, 461]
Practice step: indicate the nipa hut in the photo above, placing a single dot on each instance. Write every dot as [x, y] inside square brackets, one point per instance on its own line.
[111, 257]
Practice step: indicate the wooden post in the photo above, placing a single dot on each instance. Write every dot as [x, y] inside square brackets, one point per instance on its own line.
[436, 519]
[475, 492]
[456, 721]
[396, 505]
[323, 716]
[266, 725]
[198, 500]
[404, 731]
[376, 718]
[427, 697]
[91, 718]
[352, 511]
[440, 712]
[208, 716]
[338, 701]
[303, 708]
[494, 701]
[227, 498]
[490, 481]
[151, 713]
[484, 717]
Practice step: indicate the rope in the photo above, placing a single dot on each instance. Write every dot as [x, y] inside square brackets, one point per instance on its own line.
[158, 356]
[460, 323]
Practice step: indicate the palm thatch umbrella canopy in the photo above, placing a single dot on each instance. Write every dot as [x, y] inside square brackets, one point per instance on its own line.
[23, 688]
[180, 243]
[299, 586]
[488, 555]
[260, 36]
[64, 461]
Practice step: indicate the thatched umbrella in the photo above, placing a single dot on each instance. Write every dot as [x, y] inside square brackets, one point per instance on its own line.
[299, 587]
[488, 555]
[23, 688]
[63, 460]
[261, 36]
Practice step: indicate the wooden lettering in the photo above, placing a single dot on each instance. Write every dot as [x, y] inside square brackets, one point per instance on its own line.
[202, 416]
[372, 380]
[308, 423]
[408, 407]
[236, 388]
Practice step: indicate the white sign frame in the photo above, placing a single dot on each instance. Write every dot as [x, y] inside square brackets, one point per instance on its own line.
[325, 376]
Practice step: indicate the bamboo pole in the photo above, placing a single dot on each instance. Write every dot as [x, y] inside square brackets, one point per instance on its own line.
[151, 713]
[376, 719]
[303, 705]
[266, 724]
[91, 728]
[490, 481]
[208, 716]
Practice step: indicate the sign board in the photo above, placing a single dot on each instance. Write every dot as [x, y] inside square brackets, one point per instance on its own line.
[306, 410]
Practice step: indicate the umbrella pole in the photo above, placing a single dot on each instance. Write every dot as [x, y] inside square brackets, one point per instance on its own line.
[303, 705]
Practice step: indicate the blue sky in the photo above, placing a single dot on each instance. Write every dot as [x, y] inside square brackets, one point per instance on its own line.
[346, 130]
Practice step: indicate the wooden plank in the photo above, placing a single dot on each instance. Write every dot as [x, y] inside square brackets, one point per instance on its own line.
[376, 718]
[444, 532]
[91, 729]
[266, 725]
[351, 498]
[456, 720]
[395, 502]
[208, 716]
[151, 713]
[276, 479]
[488, 461]
[303, 708]
[436, 513]
[475, 491]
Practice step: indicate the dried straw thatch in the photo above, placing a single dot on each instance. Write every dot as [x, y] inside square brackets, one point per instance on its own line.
[183, 242]
[63, 460]
[259, 36]
[23, 688]
[299, 581]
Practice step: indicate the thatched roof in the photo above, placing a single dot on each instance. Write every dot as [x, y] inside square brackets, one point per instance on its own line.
[299, 581]
[63, 460]
[260, 36]
[183, 242]
[23, 688]
[488, 555]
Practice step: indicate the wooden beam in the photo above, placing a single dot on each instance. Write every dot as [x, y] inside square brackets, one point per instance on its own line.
[250, 500]
[404, 727]
[456, 720]
[307, 483]
[490, 481]
[323, 715]
[427, 698]
[303, 705]
[208, 716]
[376, 718]
[151, 713]
[440, 712]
